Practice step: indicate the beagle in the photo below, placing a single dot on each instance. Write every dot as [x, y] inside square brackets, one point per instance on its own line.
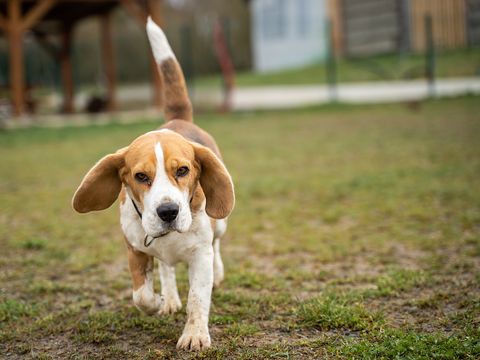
[175, 195]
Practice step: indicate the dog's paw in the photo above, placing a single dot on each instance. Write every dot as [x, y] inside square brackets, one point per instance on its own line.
[146, 301]
[170, 305]
[194, 339]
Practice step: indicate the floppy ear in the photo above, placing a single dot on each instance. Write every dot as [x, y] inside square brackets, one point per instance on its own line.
[100, 187]
[216, 183]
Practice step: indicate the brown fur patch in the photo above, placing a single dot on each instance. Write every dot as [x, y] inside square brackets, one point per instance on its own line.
[140, 264]
[100, 187]
[122, 197]
[177, 102]
[216, 183]
[193, 133]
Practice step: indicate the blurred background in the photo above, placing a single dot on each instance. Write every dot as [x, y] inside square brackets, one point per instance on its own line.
[351, 130]
[74, 56]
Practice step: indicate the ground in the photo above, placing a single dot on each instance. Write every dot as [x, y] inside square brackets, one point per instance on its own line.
[356, 235]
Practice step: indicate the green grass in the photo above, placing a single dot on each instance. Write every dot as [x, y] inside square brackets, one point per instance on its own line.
[355, 236]
[333, 312]
[456, 63]
[394, 344]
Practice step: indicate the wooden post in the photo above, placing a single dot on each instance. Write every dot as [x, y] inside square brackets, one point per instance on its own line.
[140, 14]
[154, 7]
[67, 70]
[108, 60]
[156, 83]
[15, 26]
[15, 37]
[337, 34]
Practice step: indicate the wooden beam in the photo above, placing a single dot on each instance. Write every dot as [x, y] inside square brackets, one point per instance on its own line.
[47, 45]
[67, 69]
[36, 13]
[141, 15]
[136, 11]
[15, 39]
[155, 11]
[3, 23]
[108, 57]
[154, 8]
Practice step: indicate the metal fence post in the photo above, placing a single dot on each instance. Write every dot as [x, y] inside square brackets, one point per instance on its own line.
[331, 66]
[430, 55]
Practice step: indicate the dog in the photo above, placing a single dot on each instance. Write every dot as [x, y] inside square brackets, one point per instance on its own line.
[175, 196]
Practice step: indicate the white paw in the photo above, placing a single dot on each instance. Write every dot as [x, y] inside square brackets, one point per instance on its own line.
[147, 301]
[194, 339]
[170, 305]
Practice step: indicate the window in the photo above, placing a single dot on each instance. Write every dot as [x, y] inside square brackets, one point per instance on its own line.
[273, 17]
[303, 18]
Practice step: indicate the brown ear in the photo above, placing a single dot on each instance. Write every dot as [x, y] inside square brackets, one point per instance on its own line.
[216, 183]
[100, 187]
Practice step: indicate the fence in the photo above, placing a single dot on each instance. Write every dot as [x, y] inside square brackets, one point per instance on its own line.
[365, 27]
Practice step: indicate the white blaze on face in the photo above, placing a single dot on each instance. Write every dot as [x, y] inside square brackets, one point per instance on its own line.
[164, 191]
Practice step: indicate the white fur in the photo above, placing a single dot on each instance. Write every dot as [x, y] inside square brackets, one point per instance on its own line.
[163, 191]
[193, 247]
[159, 43]
[145, 298]
[220, 228]
[171, 299]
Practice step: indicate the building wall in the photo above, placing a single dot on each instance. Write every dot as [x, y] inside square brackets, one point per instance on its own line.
[287, 33]
[473, 22]
[371, 26]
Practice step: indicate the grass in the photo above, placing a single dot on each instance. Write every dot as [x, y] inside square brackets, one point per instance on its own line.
[453, 63]
[356, 236]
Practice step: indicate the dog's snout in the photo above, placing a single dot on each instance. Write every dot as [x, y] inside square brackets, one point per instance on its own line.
[168, 212]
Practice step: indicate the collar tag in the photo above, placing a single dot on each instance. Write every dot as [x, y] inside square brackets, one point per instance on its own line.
[147, 243]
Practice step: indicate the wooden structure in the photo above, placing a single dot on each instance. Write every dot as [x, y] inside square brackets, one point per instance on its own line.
[448, 19]
[473, 25]
[59, 17]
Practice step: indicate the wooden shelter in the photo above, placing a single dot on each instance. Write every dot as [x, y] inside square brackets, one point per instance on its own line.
[59, 17]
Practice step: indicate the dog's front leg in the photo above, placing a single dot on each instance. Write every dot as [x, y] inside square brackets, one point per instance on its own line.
[195, 335]
[171, 299]
[141, 269]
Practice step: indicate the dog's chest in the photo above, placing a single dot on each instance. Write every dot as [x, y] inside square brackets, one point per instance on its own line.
[170, 248]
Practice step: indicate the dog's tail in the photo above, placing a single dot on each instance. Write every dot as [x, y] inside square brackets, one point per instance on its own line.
[177, 102]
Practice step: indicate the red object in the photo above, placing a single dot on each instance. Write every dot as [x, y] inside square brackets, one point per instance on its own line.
[226, 64]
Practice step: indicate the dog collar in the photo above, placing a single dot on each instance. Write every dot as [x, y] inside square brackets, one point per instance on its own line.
[146, 243]
[136, 209]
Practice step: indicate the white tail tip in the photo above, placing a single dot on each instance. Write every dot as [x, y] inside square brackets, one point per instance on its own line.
[158, 41]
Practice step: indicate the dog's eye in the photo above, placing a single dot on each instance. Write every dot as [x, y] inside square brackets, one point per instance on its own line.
[182, 171]
[141, 177]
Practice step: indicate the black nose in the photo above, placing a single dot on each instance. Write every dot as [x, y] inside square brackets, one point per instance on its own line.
[168, 212]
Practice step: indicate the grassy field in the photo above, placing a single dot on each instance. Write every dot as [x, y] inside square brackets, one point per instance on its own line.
[356, 236]
[457, 63]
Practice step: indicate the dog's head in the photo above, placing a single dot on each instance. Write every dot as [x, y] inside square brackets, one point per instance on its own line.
[161, 172]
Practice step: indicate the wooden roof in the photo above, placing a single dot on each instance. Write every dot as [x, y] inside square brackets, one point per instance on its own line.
[59, 17]
[63, 11]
